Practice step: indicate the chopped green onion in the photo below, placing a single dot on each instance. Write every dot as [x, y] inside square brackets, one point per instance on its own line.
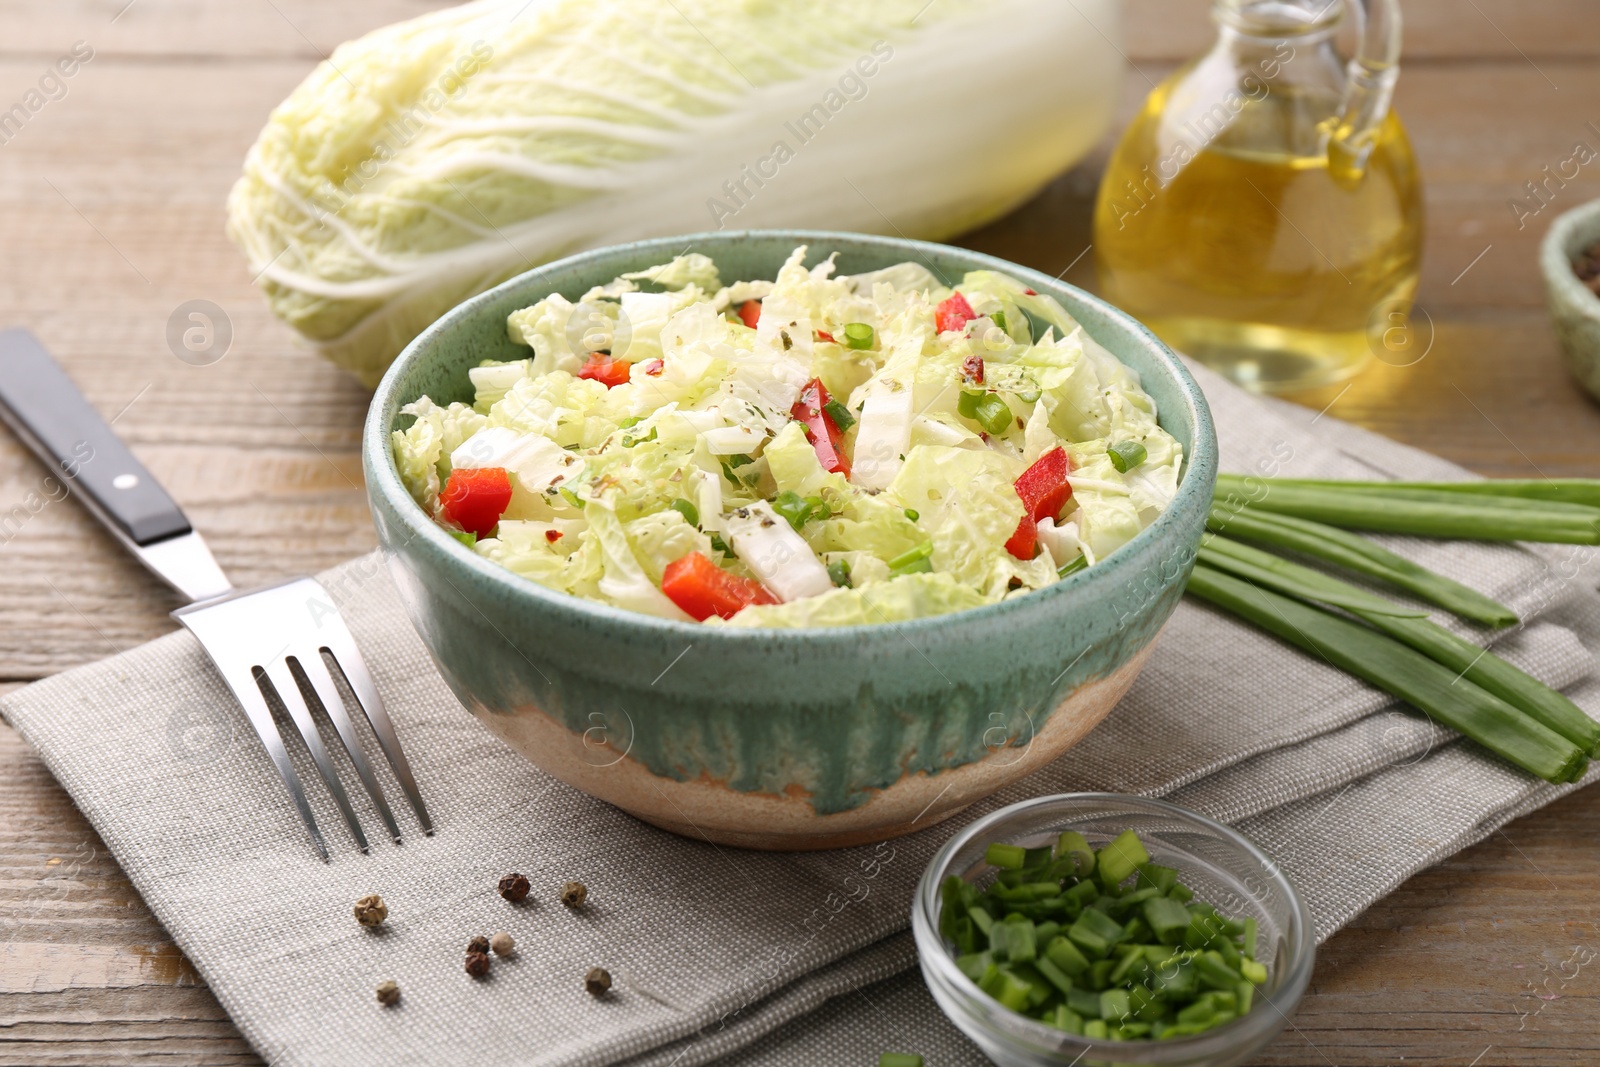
[1426, 513]
[999, 319]
[839, 414]
[1008, 856]
[1167, 918]
[1074, 847]
[466, 537]
[911, 556]
[913, 514]
[1126, 455]
[967, 404]
[792, 506]
[1354, 552]
[1021, 944]
[858, 335]
[1114, 1005]
[1399, 670]
[1072, 566]
[839, 573]
[1053, 974]
[1485, 669]
[1118, 859]
[1135, 988]
[993, 414]
[1065, 955]
[1159, 878]
[690, 513]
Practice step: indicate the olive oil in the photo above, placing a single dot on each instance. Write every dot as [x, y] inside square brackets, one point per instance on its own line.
[1226, 231]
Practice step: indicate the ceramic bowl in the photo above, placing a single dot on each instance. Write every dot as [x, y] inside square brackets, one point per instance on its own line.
[1574, 308]
[781, 739]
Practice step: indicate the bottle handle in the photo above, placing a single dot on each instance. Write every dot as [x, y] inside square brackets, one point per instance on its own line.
[1369, 86]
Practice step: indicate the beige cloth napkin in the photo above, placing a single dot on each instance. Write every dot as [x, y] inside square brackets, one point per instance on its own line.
[718, 952]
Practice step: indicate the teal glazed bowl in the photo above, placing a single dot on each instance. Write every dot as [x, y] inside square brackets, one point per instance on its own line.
[1574, 309]
[781, 739]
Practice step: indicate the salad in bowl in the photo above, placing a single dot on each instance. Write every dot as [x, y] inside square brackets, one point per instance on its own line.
[815, 450]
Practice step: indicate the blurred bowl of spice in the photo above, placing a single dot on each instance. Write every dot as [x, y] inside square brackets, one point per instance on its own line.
[1570, 260]
[782, 738]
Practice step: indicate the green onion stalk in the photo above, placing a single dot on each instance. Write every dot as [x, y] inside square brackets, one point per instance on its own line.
[1561, 490]
[1356, 553]
[1445, 695]
[1422, 512]
[1489, 672]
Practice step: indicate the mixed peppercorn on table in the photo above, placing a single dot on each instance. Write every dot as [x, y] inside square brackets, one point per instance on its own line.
[111, 208]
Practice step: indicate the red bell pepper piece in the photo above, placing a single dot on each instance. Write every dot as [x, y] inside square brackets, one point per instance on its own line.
[972, 369]
[605, 370]
[474, 498]
[1044, 490]
[1024, 544]
[825, 437]
[750, 313]
[953, 314]
[1030, 292]
[655, 367]
[552, 536]
[1043, 487]
[703, 589]
[824, 335]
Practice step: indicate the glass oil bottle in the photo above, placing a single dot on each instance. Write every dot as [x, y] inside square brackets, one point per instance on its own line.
[1263, 212]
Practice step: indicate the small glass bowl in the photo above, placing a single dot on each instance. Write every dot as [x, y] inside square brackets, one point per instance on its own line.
[1219, 864]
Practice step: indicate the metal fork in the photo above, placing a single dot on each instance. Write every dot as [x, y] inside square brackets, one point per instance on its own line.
[266, 640]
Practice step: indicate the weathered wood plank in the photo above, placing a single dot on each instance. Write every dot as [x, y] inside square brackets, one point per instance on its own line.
[176, 30]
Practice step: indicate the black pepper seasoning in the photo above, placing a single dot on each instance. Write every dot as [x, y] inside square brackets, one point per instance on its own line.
[597, 981]
[478, 944]
[370, 910]
[514, 887]
[388, 993]
[573, 894]
[477, 964]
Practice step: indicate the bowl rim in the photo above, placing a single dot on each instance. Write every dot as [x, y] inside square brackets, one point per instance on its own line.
[1555, 259]
[383, 476]
[1194, 1048]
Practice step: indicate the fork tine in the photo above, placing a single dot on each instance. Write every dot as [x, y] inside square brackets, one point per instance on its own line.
[316, 672]
[277, 672]
[248, 693]
[339, 643]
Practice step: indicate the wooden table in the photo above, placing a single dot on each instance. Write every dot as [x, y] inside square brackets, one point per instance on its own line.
[111, 216]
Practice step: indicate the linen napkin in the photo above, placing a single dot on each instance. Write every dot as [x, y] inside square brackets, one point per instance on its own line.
[719, 953]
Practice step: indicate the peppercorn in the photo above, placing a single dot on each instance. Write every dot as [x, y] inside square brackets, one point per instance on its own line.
[597, 981]
[371, 910]
[573, 894]
[478, 944]
[477, 964]
[514, 887]
[502, 944]
[388, 993]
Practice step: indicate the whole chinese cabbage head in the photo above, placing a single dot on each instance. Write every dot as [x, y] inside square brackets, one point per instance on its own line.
[435, 158]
